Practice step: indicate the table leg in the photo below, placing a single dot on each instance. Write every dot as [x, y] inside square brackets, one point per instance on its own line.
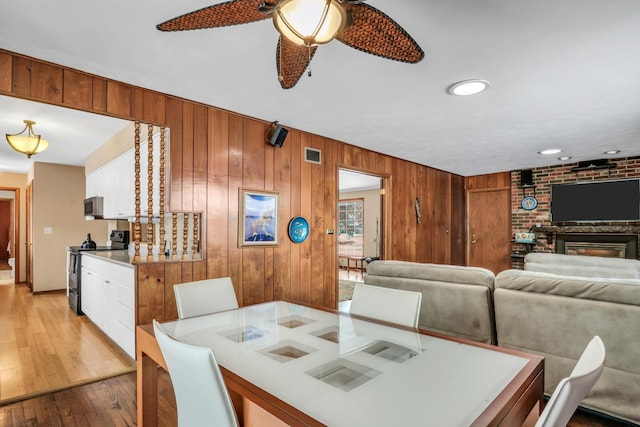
[147, 378]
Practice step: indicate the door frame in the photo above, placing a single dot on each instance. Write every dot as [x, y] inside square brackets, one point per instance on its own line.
[16, 230]
[385, 208]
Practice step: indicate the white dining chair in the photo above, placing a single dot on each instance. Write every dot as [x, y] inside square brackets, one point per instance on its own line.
[205, 297]
[571, 390]
[202, 398]
[391, 305]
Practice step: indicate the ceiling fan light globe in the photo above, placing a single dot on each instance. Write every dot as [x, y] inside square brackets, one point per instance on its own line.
[309, 22]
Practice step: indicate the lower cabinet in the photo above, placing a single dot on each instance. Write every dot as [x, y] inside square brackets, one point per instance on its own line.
[108, 299]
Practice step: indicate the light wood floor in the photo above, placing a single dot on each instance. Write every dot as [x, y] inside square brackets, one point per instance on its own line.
[46, 347]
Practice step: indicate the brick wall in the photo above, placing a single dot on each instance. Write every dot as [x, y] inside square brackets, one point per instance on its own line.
[539, 219]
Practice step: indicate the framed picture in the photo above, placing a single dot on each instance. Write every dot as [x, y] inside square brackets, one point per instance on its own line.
[258, 219]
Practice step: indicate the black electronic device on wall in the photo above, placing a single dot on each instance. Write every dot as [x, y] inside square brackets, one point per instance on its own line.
[276, 135]
[596, 201]
[526, 178]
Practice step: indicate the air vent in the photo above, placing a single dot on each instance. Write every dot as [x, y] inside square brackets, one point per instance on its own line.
[311, 155]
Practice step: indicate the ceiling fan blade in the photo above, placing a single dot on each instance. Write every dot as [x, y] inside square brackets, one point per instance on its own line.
[291, 61]
[219, 15]
[374, 32]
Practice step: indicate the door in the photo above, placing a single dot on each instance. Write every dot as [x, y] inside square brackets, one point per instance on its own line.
[489, 229]
[29, 238]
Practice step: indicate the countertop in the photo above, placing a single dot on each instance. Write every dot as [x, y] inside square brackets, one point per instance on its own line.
[123, 257]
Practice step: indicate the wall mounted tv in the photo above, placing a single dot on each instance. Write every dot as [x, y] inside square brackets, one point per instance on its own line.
[596, 201]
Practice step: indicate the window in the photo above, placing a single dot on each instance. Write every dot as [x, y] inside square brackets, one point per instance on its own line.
[351, 227]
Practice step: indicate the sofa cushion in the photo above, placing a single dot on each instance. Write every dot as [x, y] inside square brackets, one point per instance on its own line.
[621, 291]
[456, 300]
[582, 266]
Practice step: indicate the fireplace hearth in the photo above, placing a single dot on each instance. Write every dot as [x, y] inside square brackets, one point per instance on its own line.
[605, 245]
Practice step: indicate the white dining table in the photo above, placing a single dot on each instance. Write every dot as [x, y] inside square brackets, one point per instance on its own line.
[310, 366]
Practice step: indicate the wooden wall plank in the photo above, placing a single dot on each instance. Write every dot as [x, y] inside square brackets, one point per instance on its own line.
[458, 209]
[295, 191]
[172, 276]
[154, 107]
[150, 292]
[217, 218]
[99, 96]
[187, 156]
[46, 82]
[174, 121]
[306, 210]
[137, 105]
[21, 83]
[231, 148]
[282, 254]
[119, 99]
[317, 223]
[78, 90]
[235, 183]
[6, 71]
[200, 157]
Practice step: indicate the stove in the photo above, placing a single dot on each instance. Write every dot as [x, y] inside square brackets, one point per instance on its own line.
[119, 241]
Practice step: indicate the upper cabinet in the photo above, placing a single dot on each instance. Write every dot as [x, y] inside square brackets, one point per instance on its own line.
[115, 182]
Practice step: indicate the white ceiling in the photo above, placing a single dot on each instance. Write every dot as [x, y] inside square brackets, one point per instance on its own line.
[72, 134]
[563, 73]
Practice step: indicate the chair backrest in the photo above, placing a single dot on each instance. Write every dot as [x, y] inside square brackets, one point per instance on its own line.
[205, 297]
[391, 305]
[201, 395]
[571, 390]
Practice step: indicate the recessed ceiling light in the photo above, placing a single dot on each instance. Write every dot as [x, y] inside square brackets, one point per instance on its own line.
[564, 158]
[611, 152]
[468, 87]
[550, 151]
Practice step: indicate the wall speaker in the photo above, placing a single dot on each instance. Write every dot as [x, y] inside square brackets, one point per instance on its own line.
[276, 135]
[526, 178]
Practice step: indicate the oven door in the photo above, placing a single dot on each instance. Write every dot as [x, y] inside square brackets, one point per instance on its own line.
[73, 282]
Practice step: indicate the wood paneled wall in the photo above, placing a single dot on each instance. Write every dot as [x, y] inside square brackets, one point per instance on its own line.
[215, 152]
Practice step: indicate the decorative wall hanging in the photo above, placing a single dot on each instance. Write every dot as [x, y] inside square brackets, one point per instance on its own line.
[258, 219]
[298, 229]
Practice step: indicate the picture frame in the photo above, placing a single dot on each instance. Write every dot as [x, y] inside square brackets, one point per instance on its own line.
[258, 218]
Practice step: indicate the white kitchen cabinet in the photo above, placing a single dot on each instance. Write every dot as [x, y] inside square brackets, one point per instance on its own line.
[115, 182]
[107, 290]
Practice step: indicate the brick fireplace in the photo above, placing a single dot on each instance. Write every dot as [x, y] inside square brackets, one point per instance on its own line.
[582, 237]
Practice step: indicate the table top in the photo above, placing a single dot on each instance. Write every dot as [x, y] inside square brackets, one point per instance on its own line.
[343, 371]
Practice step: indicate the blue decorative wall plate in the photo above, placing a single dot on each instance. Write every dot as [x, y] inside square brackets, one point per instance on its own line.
[298, 229]
[529, 203]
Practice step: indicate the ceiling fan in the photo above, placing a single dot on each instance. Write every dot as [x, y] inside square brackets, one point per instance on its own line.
[304, 24]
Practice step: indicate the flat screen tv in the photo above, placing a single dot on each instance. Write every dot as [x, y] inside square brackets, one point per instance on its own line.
[596, 201]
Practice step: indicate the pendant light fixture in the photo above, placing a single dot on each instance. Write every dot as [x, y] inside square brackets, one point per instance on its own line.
[27, 142]
[309, 22]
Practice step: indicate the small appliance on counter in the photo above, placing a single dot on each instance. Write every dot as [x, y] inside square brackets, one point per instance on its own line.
[88, 244]
[119, 239]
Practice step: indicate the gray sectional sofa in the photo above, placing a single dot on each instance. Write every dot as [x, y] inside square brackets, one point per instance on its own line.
[456, 300]
[553, 309]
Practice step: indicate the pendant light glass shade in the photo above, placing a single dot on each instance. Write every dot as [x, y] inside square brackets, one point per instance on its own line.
[309, 22]
[27, 143]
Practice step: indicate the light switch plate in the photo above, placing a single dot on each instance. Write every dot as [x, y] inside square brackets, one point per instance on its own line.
[48, 230]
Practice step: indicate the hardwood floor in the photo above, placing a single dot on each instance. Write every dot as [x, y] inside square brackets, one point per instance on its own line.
[104, 402]
[46, 347]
